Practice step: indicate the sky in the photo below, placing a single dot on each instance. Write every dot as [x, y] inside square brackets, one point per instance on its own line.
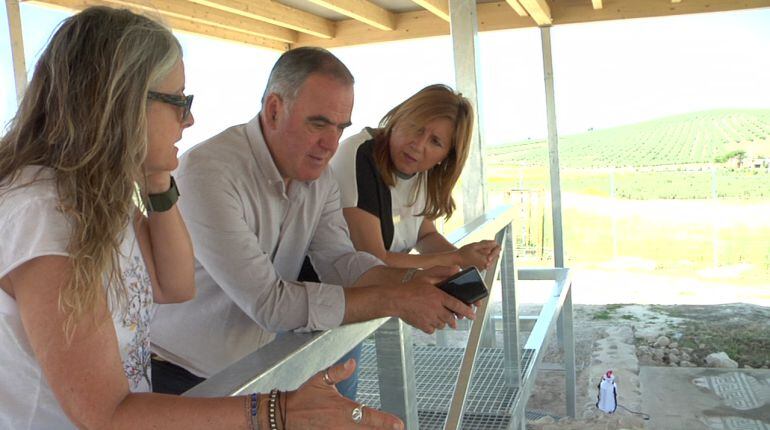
[606, 74]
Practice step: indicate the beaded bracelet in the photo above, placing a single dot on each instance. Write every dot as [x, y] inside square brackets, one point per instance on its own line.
[271, 409]
[254, 415]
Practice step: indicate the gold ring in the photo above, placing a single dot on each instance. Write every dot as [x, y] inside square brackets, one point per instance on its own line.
[327, 379]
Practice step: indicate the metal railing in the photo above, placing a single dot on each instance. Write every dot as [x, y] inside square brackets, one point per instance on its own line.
[292, 358]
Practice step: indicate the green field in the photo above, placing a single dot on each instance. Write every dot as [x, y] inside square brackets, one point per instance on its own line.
[646, 191]
[729, 184]
[693, 138]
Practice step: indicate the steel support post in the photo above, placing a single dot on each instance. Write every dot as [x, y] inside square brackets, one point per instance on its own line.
[464, 28]
[395, 365]
[508, 276]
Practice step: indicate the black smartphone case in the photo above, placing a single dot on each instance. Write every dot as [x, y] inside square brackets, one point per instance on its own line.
[467, 286]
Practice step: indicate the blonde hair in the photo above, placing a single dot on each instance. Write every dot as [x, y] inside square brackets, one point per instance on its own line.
[431, 102]
[84, 116]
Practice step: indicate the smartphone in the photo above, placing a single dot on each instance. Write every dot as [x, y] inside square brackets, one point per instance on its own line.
[467, 286]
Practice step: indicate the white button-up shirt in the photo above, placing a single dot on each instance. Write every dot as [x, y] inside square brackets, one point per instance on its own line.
[250, 237]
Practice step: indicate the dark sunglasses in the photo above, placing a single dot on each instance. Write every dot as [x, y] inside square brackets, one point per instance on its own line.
[173, 99]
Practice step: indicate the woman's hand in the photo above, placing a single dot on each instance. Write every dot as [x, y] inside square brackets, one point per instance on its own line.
[479, 254]
[318, 405]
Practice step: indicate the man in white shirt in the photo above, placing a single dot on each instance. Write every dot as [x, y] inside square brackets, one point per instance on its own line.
[258, 198]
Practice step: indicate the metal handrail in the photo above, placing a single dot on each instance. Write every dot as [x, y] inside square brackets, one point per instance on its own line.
[291, 358]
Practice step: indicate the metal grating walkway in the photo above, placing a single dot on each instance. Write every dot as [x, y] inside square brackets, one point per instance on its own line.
[489, 400]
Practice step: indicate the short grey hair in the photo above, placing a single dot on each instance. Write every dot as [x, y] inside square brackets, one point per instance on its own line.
[295, 66]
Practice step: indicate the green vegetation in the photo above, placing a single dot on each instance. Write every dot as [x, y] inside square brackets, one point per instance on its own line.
[609, 311]
[644, 193]
[696, 182]
[740, 332]
[683, 139]
[739, 155]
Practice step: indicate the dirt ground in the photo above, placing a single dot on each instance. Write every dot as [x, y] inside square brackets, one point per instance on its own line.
[693, 331]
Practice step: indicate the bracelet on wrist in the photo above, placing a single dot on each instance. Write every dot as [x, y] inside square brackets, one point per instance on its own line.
[251, 403]
[409, 275]
[271, 407]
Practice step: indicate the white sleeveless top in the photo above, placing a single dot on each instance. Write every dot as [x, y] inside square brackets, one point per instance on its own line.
[31, 226]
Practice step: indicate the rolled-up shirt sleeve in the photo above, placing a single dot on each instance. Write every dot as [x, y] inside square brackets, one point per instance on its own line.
[230, 252]
[331, 250]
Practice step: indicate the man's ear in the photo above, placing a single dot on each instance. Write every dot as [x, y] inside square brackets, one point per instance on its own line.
[273, 109]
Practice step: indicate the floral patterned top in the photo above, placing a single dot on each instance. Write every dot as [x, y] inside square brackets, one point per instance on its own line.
[31, 226]
[132, 324]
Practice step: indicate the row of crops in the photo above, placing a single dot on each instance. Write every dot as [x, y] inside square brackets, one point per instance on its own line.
[683, 139]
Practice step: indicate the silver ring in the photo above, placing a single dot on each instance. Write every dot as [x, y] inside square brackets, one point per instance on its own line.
[327, 379]
[358, 414]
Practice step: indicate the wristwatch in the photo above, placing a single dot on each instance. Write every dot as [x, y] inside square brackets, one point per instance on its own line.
[162, 202]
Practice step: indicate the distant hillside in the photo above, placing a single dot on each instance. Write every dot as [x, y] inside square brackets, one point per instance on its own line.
[697, 137]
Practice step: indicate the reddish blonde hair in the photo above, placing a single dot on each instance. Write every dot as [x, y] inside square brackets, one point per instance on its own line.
[431, 102]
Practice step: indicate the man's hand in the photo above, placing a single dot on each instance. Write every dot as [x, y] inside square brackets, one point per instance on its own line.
[435, 274]
[422, 305]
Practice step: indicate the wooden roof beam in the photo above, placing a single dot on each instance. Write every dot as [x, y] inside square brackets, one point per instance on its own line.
[440, 8]
[539, 11]
[598, 3]
[277, 14]
[517, 7]
[177, 24]
[362, 10]
[186, 10]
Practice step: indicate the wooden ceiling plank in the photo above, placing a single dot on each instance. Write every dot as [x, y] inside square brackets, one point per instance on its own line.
[517, 7]
[183, 9]
[440, 8]
[597, 4]
[411, 25]
[221, 33]
[575, 11]
[277, 14]
[538, 10]
[362, 10]
[176, 23]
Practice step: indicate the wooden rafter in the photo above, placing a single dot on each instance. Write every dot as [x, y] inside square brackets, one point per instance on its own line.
[179, 24]
[275, 13]
[598, 3]
[491, 16]
[361, 10]
[498, 15]
[517, 7]
[440, 8]
[538, 10]
[186, 10]
[17, 47]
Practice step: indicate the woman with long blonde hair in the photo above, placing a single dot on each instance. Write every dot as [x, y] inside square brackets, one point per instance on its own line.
[81, 264]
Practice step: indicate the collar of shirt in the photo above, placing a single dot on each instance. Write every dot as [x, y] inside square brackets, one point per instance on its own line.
[265, 161]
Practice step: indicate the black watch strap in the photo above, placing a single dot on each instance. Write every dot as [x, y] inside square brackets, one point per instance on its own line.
[162, 202]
